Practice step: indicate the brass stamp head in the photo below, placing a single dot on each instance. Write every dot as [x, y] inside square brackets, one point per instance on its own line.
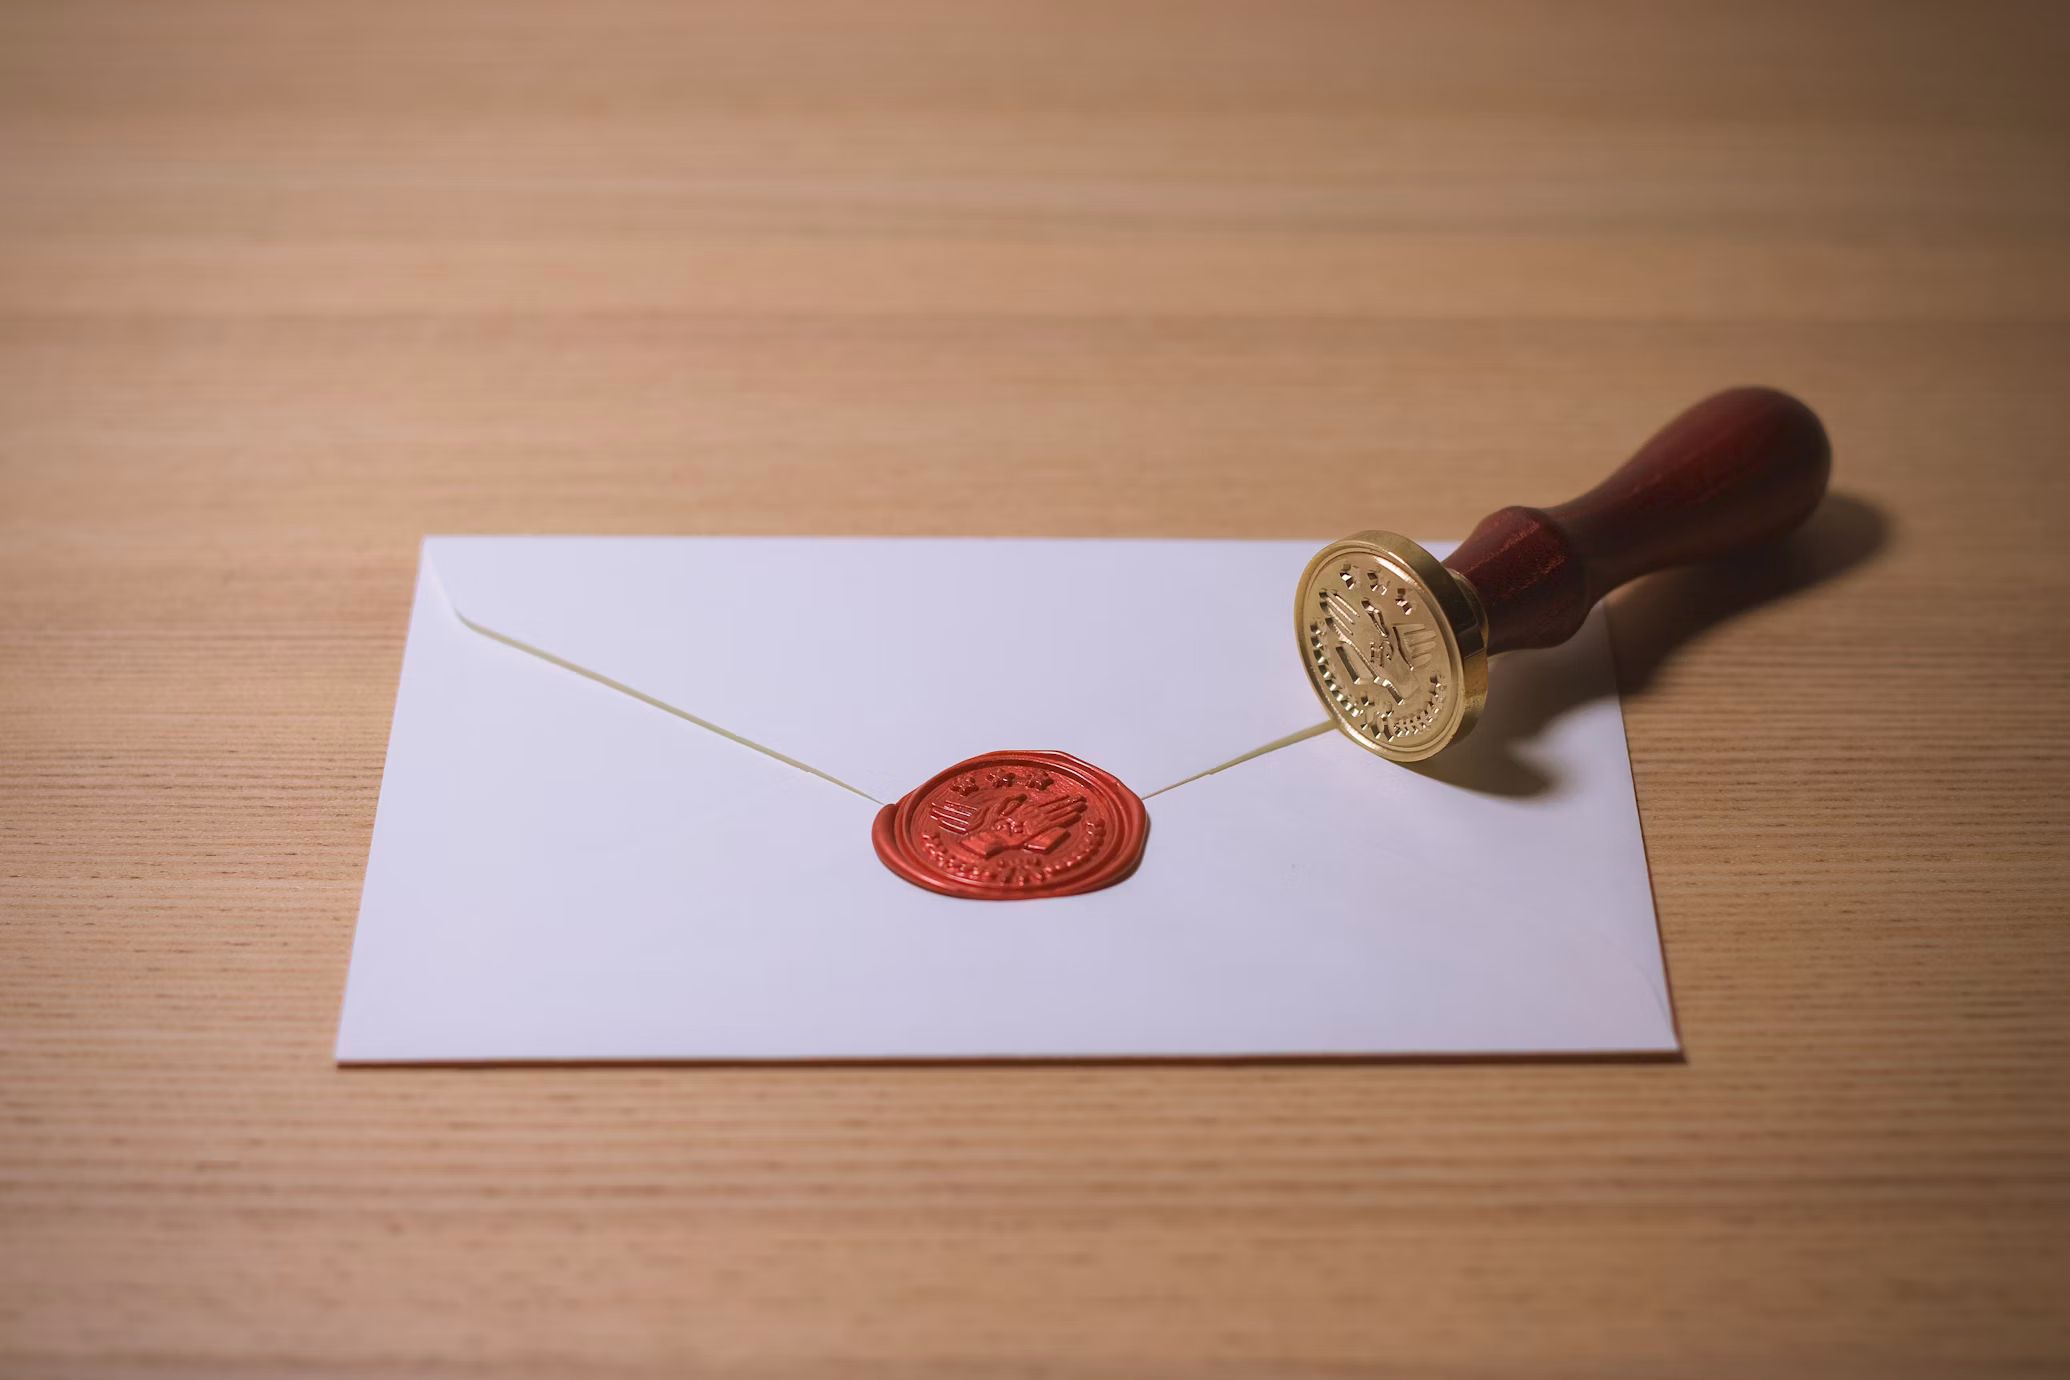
[1395, 644]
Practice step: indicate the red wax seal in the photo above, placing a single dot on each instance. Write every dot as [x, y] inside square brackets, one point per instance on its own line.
[1011, 826]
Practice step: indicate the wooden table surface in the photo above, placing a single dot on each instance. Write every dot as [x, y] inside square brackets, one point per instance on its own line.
[284, 287]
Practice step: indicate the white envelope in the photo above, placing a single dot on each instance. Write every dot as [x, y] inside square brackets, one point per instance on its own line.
[627, 805]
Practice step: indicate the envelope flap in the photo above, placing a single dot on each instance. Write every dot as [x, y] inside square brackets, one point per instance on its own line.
[879, 660]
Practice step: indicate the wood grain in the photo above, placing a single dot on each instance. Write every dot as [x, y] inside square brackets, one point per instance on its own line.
[282, 288]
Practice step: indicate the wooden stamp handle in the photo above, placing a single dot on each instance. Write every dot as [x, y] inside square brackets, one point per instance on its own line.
[1740, 468]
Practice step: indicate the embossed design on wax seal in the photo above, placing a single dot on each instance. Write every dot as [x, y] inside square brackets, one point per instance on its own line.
[1011, 826]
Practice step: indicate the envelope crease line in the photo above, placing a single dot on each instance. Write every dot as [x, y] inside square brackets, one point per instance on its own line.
[1299, 736]
[541, 654]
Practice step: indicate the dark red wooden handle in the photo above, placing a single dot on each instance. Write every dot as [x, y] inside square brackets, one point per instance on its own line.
[1740, 468]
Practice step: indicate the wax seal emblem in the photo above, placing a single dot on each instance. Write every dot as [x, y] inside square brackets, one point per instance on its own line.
[1011, 826]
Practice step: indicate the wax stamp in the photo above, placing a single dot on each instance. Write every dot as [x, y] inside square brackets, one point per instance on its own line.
[1397, 643]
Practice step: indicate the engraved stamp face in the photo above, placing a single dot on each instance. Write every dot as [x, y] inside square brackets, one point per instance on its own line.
[1376, 649]
[1012, 826]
